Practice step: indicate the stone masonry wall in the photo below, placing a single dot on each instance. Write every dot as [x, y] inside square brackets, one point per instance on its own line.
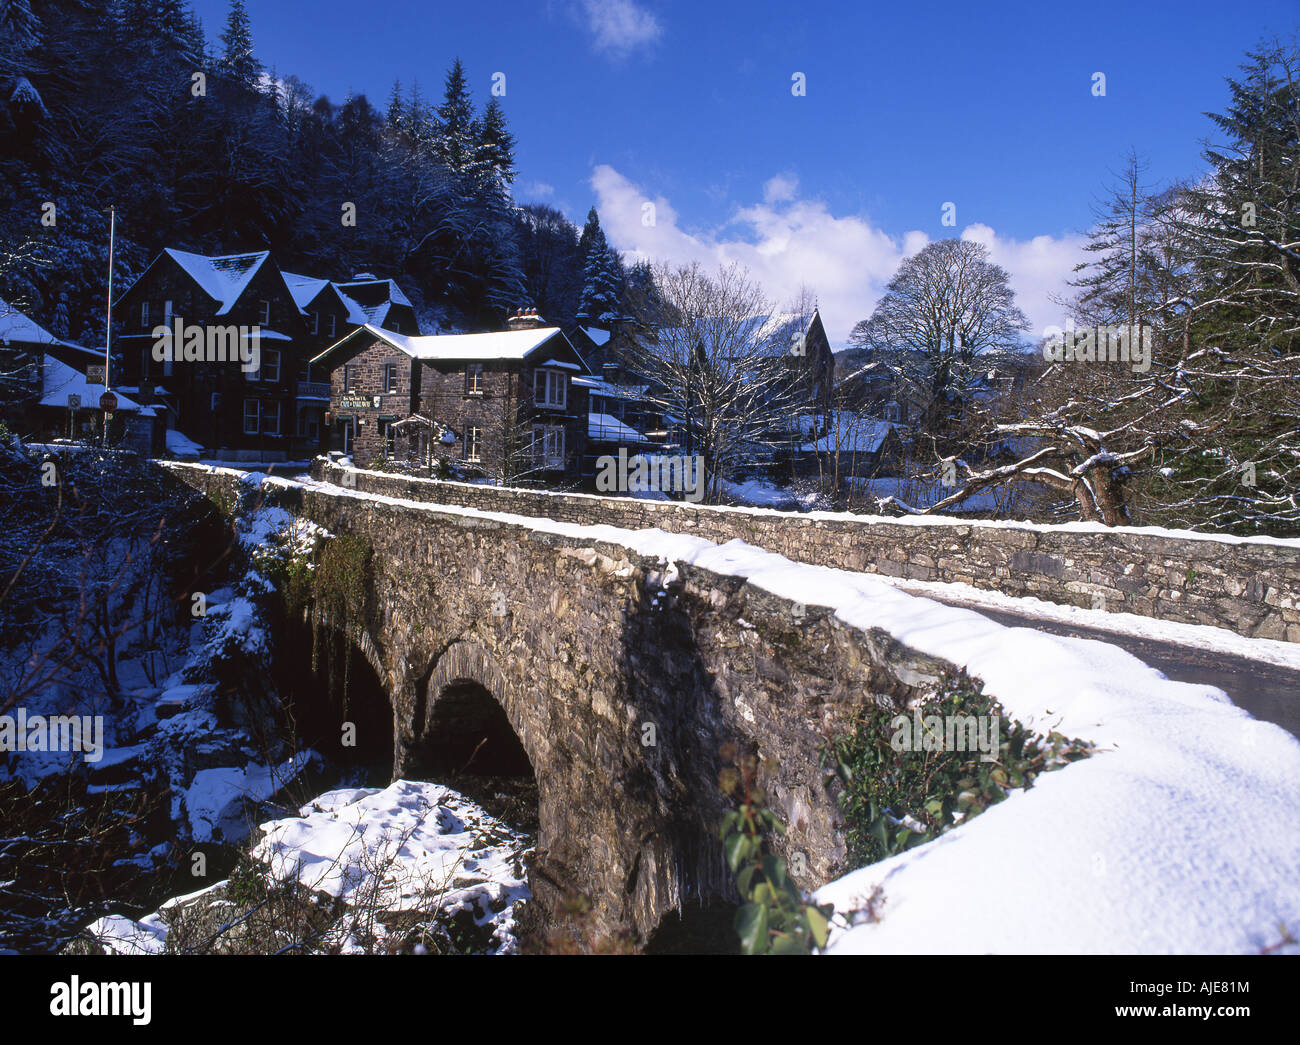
[1250, 587]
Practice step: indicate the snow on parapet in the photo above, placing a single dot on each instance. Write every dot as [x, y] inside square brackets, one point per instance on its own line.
[874, 520]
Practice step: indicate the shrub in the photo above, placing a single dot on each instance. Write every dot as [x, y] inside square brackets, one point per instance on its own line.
[895, 799]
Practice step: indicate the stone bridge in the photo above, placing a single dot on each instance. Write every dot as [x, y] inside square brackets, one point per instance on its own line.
[621, 678]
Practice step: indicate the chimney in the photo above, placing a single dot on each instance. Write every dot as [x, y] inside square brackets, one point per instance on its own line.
[524, 319]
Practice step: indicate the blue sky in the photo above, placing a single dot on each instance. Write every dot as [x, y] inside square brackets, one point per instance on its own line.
[908, 106]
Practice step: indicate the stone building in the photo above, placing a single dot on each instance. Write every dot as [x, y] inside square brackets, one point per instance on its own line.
[499, 405]
[274, 411]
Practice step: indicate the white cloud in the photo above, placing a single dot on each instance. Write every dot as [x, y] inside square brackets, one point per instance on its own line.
[536, 189]
[786, 242]
[782, 188]
[619, 27]
[1038, 267]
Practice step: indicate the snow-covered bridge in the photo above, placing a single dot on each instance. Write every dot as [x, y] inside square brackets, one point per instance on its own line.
[624, 658]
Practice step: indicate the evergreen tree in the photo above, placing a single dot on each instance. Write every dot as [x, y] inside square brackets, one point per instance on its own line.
[454, 144]
[601, 288]
[238, 63]
[395, 119]
[496, 144]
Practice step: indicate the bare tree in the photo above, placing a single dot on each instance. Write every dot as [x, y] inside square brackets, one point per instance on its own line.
[945, 307]
[722, 368]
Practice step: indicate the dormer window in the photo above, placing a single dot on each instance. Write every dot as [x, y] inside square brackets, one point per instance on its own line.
[334, 322]
[266, 313]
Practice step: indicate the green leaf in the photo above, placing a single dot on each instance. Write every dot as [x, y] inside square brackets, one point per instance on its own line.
[788, 943]
[744, 880]
[736, 847]
[751, 927]
[818, 924]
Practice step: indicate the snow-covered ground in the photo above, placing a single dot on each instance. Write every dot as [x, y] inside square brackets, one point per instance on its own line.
[1178, 836]
[408, 848]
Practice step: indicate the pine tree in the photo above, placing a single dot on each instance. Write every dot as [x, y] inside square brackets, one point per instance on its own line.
[601, 288]
[496, 144]
[395, 119]
[592, 234]
[454, 144]
[238, 64]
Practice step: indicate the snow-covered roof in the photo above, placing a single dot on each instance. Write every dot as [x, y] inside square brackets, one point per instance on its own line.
[182, 445]
[367, 300]
[17, 326]
[600, 387]
[372, 290]
[607, 428]
[222, 278]
[598, 336]
[60, 381]
[761, 335]
[500, 345]
[849, 433]
[304, 289]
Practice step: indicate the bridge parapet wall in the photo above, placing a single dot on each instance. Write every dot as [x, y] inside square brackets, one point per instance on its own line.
[1250, 586]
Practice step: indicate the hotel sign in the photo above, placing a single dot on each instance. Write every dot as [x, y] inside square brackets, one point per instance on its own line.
[357, 401]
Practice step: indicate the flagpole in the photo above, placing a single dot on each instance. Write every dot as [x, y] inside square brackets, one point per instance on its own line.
[108, 323]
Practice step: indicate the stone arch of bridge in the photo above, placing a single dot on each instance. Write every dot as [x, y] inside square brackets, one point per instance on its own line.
[468, 692]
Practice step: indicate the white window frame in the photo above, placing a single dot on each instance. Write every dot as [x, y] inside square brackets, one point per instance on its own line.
[270, 360]
[473, 444]
[550, 438]
[474, 379]
[144, 314]
[347, 377]
[392, 387]
[334, 325]
[271, 410]
[553, 381]
[256, 416]
[266, 313]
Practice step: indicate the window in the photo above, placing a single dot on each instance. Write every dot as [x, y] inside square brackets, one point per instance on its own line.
[348, 379]
[390, 378]
[474, 379]
[252, 416]
[145, 355]
[334, 324]
[473, 443]
[144, 315]
[548, 446]
[167, 313]
[315, 322]
[266, 313]
[389, 435]
[271, 364]
[396, 328]
[550, 388]
[349, 430]
[271, 418]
